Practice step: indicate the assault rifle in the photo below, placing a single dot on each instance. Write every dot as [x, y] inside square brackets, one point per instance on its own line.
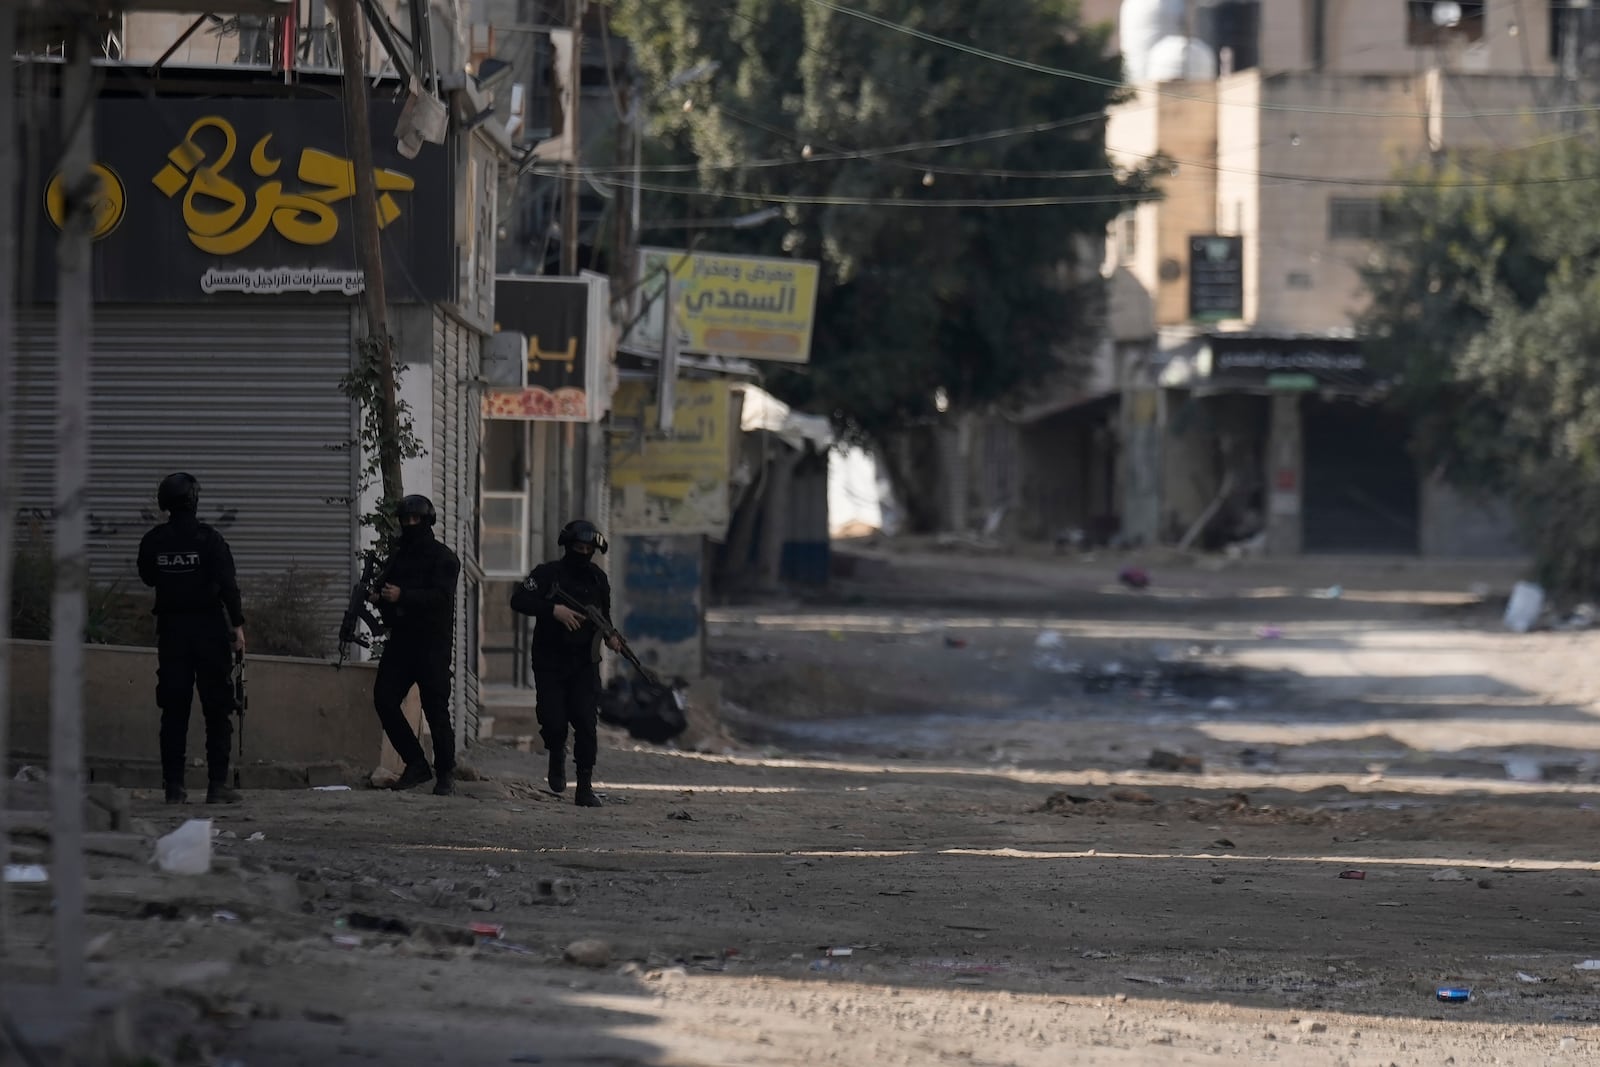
[653, 711]
[241, 701]
[359, 610]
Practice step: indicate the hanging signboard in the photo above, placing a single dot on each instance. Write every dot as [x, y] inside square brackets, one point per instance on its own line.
[676, 484]
[742, 307]
[550, 355]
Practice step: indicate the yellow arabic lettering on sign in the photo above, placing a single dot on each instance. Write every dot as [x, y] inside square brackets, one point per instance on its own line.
[537, 356]
[224, 218]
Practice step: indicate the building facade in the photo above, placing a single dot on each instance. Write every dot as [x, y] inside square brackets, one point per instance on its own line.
[1247, 412]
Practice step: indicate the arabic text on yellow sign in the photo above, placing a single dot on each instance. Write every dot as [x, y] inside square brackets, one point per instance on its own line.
[741, 306]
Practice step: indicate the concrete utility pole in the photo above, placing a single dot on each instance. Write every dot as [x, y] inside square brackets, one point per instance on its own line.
[74, 336]
[8, 392]
[364, 210]
[569, 195]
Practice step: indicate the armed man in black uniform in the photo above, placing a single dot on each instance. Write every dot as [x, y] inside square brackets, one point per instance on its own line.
[199, 620]
[566, 652]
[416, 596]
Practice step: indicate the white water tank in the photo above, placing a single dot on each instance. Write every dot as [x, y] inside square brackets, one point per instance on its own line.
[1178, 58]
[1141, 25]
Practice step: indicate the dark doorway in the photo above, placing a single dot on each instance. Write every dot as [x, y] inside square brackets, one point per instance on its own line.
[1361, 491]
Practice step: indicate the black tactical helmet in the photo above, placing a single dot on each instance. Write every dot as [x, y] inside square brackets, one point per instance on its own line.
[178, 492]
[420, 507]
[582, 532]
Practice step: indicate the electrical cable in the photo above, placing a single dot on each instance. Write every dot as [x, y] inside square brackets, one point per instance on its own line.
[1091, 79]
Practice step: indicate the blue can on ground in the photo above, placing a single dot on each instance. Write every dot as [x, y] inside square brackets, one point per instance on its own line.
[1454, 994]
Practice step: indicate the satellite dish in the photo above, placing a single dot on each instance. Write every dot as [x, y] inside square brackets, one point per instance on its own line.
[1446, 14]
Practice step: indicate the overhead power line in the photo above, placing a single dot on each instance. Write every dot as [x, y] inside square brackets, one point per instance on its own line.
[1094, 79]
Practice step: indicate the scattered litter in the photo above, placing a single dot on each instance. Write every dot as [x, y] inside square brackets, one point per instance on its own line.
[224, 917]
[1453, 994]
[1269, 633]
[380, 924]
[955, 642]
[257, 836]
[1162, 760]
[494, 930]
[30, 774]
[331, 788]
[1223, 704]
[1524, 608]
[1143, 979]
[1049, 639]
[1333, 592]
[345, 940]
[1353, 875]
[1531, 979]
[682, 815]
[25, 874]
[187, 850]
[1134, 577]
[1449, 874]
[588, 953]
[839, 952]
[1568, 1044]
[1223, 842]
[558, 891]
[823, 965]
[1587, 965]
[506, 946]
[1522, 769]
[1313, 1026]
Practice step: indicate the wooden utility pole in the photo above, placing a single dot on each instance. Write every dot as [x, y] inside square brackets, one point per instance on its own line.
[569, 195]
[369, 249]
[74, 336]
[8, 393]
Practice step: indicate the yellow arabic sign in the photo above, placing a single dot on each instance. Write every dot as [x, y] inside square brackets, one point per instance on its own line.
[677, 484]
[224, 218]
[745, 307]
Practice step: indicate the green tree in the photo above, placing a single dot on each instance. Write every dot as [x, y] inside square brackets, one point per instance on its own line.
[1486, 307]
[976, 303]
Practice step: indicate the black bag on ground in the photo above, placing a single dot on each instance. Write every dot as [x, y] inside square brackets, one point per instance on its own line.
[650, 712]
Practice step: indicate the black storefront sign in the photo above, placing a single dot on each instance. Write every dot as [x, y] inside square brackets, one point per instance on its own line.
[549, 317]
[1288, 362]
[208, 199]
[1216, 277]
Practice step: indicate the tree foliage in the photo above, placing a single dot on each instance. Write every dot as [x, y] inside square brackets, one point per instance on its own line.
[1486, 306]
[977, 302]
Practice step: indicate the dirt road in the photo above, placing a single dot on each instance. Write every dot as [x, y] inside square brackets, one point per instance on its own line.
[945, 771]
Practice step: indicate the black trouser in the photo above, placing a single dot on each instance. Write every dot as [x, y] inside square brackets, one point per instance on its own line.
[194, 650]
[423, 661]
[569, 696]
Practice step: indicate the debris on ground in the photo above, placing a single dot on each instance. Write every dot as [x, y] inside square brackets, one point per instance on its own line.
[187, 850]
[588, 953]
[1524, 607]
[1162, 760]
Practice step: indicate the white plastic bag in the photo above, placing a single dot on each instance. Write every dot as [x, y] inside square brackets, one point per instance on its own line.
[1524, 608]
[187, 850]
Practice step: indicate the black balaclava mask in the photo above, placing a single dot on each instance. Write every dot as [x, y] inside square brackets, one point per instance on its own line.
[412, 535]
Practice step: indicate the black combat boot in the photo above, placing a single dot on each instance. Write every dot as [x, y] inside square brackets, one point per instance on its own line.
[177, 794]
[558, 770]
[585, 797]
[221, 793]
[444, 784]
[414, 775]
